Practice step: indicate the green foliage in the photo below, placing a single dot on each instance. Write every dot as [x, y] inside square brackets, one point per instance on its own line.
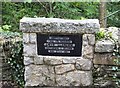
[16, 63]
[102, 34]
[12, 12]
[113, 20]
[66, 10]
[5, 33]
[14, 57]
[5, 28]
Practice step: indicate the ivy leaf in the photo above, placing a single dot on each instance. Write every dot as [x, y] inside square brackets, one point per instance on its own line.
[1, 30]
[6, 27]
[114, 68]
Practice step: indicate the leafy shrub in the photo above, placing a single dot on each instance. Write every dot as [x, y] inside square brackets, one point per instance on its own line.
[16, 62]
[14, 56]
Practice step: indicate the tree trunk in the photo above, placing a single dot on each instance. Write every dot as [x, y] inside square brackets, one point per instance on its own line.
[102, 9]
[0, 13]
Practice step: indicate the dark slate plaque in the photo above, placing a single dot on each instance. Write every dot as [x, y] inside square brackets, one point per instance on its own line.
[59, 45]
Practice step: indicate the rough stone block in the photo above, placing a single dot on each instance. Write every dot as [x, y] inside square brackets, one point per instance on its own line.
[28, 60]
[49, 60]
[83, 64]
[87, 51]
[33, 38]
[104, 46]
[87, 46]
[37, 80]
[64, 68]
[26, 37]
[39, 75]
[1, 57]
[88, 39]
[75, 78]
[1, 64]
[2, 54]
[30, 50]
[113, 30]
[56, 25]
[91, 39]
[119, 36]
[28, 70]
[69, 60]
[0, 79]
[38, 60]
[88, 79]
[1, 48]
[105, 59]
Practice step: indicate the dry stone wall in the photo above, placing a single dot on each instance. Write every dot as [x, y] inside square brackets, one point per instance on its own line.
[104, 48]
[104, 62]
[41, 70]
[96, 62]
[5, 70]
[7, 42]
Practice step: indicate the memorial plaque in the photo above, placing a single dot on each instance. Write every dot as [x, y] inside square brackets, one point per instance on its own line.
[59, 45]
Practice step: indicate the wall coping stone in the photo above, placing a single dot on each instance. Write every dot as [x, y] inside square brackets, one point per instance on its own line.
[56, 25]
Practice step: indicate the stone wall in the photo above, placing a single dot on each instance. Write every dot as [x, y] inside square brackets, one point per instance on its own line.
[104, 61]
[104, 52]
[96, 62]
[6, 71]
[104, 48]
[58, 70]
[94, 67]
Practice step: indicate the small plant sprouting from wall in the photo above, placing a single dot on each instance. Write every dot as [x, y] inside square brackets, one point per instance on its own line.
[103, 35]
